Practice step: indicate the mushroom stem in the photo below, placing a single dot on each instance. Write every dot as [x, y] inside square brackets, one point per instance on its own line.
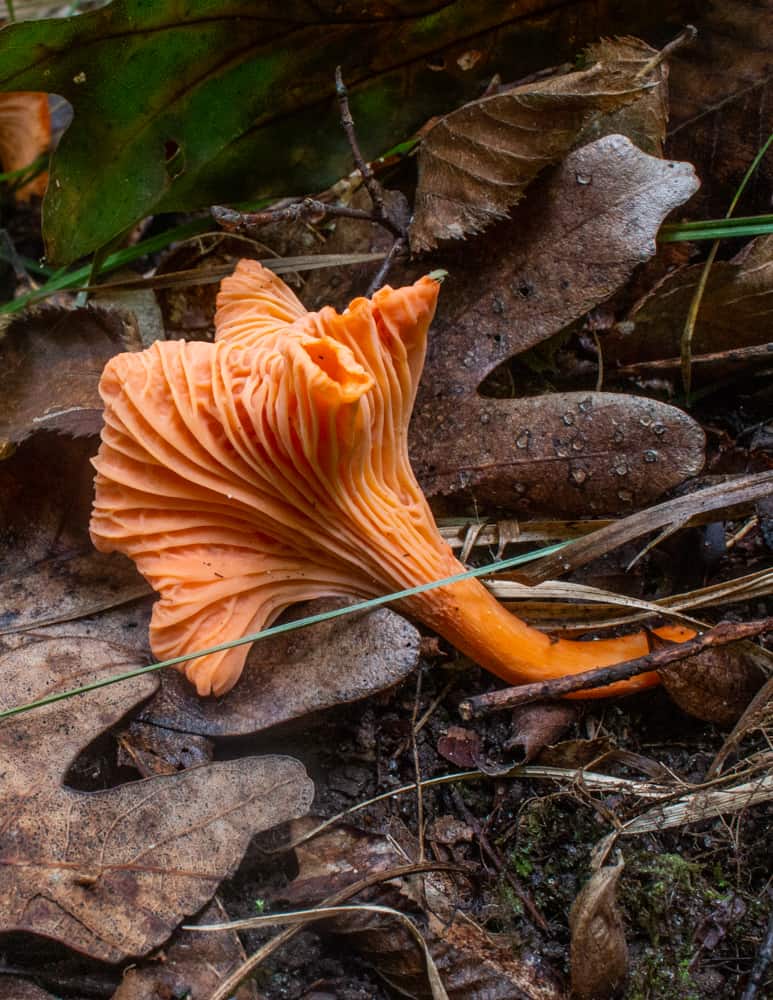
[473, 620]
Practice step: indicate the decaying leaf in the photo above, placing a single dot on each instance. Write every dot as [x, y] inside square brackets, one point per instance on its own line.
[598, 953]
[720, 102]
[473, 964]
[190, 966]
[735, 312]
[49, 570]
[476, 162]
[293, 675]
[111, 873]
[718, 684]
[50, 362]
[153, 750]
[569, 246]
[539, 725]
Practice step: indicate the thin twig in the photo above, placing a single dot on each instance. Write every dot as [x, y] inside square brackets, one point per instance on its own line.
[397, 248]
[417, 767]
[372, 186]
[557, 687]
[686, 37]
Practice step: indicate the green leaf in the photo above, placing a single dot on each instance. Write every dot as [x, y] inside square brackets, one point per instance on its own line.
[181, 104]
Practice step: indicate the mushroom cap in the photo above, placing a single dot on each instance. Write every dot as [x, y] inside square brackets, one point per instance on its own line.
[269, 467]
[25, 133]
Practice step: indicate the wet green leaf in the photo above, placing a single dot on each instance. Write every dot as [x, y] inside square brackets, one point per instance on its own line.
[180, 104]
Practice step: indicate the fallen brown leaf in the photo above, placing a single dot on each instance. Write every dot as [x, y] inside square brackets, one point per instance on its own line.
[473, 965]
[292, 675]
[477, 161]
[111, 873]
[539, 725]
[51, 360]
[189, 966]
[735, 312]
[720, 102]
[718, 684]
[598, 952]
[152, 750]
[574, 241]
[49, 570]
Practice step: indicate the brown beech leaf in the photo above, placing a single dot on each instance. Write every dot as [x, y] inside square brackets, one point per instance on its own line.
[717, 685]
[721, 111]
[292, 675]
[574, 241]
[50, 363]
[49, 570]
[190, 966]
[111, 873]
[598, 951]
[476, 162]
[736, 311]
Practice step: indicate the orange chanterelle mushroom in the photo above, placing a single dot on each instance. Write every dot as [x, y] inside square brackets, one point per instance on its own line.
[272, 466]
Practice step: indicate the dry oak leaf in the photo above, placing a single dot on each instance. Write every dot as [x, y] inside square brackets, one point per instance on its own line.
[50, 361]
[191, 966]
[111, 873]
[477, 161]
[296, 674]
[25, 133]
[569, 246]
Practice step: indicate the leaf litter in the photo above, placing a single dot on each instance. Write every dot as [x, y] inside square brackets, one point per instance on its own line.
[378, 733]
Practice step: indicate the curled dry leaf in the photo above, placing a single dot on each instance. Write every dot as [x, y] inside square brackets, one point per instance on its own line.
[477, 161]
[574, 241]
[735, 312]
[598, 951]
[290, 676]
[539, 725]
[111, 873]
[50, 361]
[49, 570]
[25, 133]
[718, 684]
[191, 966]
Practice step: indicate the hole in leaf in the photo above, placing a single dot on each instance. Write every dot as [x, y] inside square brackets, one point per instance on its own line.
[174, 158]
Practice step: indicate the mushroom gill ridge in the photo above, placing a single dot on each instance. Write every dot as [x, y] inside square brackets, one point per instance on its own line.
[272, 467]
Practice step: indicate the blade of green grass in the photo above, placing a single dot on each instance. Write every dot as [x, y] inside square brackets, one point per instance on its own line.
[324, 616]
[700, 288]
[716, 229]
[70, 279]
